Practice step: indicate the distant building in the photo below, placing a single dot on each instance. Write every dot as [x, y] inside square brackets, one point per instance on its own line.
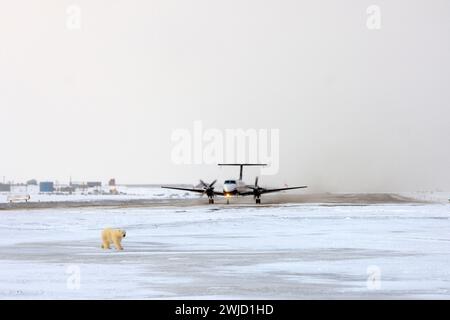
[46, 186]
[65, 189]
[77, 185]
[32, 182]
[93, 184]
[5, 187]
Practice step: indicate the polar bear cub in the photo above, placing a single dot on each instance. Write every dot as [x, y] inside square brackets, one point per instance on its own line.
[114, 236]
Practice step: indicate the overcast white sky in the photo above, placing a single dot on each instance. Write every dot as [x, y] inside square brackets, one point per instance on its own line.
[357, 109]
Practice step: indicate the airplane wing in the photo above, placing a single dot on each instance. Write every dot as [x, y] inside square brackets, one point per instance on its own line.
[192, 190]
[281, 189]
[263, 191]
[185, 189]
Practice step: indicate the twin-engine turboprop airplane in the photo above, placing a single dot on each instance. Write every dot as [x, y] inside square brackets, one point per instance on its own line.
[233, 187]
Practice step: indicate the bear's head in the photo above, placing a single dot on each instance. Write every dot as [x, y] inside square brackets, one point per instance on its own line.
[124, 233]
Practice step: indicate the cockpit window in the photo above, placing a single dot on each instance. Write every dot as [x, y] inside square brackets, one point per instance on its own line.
[230, 181]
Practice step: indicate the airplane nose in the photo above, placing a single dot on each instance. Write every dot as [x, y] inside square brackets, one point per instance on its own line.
[228, 188]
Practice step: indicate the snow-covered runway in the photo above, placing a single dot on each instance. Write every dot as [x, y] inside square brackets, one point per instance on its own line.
[278, 252]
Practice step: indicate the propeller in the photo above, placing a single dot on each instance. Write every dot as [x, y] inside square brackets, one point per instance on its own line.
[208, 189]
[257, 190]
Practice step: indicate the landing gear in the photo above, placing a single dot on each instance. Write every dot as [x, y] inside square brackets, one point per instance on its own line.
[211, 200]
[258, 200]
[228, 201]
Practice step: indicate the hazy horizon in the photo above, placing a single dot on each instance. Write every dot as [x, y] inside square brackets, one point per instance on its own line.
[358, 110]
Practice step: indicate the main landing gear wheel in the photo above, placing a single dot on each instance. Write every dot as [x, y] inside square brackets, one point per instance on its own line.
[258, 200]
[211, 201]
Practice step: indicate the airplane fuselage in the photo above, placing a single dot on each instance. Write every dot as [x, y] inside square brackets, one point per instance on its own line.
[233, 187]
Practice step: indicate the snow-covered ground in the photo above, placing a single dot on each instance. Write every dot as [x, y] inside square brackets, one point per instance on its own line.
[279, 252]
[96, 194]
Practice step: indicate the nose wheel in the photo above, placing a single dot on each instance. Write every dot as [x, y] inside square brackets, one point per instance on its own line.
[228, 201]
[211, 200]
[258, 200]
